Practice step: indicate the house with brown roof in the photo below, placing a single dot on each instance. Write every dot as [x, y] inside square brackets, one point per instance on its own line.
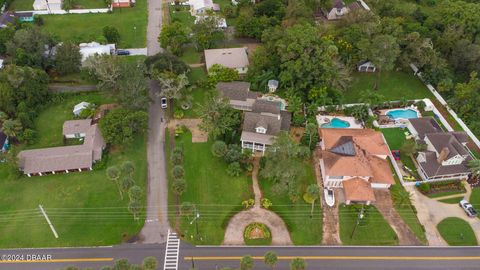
[355, 160]
[234, 58]
[66, 159]
[446, 155]
[238, 94]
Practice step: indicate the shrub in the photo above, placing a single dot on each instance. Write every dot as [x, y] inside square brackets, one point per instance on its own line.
[234, 169]
[265, 231]
[424, 188]
[178, 114]
[178, 172]
[266, 203]
[177, 159]
[219, 149]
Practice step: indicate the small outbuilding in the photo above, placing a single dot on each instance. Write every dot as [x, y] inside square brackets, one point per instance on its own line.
[272, 85]
[24, 16]
[92, 48]
[366, 66]
[77, 110]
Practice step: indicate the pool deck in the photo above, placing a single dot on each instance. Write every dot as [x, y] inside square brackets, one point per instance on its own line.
[324, 119]
[399, 122]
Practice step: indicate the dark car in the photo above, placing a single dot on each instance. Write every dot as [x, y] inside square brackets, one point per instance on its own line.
[123, 52]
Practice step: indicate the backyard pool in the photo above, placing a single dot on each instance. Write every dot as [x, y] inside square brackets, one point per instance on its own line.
[402, 114]
[336, 123]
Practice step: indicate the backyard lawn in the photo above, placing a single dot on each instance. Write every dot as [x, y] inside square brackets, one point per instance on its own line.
[457, 232]
[21, 5]
[85, 208]
[191, 55]
[216, 195]
[130, 22]
[392, 86]
[304, 230]
[395, 138]
[372, 230]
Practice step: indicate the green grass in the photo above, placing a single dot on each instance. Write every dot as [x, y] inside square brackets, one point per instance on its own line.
[217, 196]
[457, 232]
[475, 197]
[191, 55]
[446, 193]
[452, 200]
[89, 27]
[303, 229]
[372, 230]
[89, 4]
[67, 197]
[21, 5]
[392, 85]
[395, 138]
[199, 94]
[182, 15]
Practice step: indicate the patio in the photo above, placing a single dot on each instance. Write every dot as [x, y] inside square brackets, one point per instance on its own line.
[349, 122]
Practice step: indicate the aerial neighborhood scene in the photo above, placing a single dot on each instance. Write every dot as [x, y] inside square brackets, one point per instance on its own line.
[239, 134]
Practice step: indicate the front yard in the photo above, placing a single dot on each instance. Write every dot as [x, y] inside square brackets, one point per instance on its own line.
[457, 232]
[304, 230]
[216, 195]
[373, 229]
[85, 207]
[130, 22]
[392, 85]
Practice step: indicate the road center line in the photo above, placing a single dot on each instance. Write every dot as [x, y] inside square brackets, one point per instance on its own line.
[387, 258]
[60, 260]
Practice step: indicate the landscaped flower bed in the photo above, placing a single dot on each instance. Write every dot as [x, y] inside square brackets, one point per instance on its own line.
[444, 188]
[257, 234]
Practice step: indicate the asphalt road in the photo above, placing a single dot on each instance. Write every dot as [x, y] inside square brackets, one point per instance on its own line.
[324, 258]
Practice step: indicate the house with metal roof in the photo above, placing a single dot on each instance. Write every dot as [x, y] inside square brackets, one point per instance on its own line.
[446, 155]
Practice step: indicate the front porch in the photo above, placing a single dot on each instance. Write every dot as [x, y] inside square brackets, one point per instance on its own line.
[254, 146]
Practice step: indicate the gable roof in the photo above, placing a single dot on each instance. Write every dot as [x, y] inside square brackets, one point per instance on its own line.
[344, 146]
[357, 189]
[432, 168]
[253, 120]
[227, 57]
[367, 140]
[266, 106]
[236, 90]
[76, 126]
[424, 125]
[447, 140]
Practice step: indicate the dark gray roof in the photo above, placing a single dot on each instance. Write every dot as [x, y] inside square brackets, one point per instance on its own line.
[338, 4]
[434, 169]
[265, 106]
[286, 120]
[425, 125]
[7, 18]
[344, 146]
[251, 120]
[447, 140]
[461, 136]
[23, 14]
[236, 90]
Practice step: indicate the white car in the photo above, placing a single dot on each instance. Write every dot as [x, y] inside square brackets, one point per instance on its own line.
[468, 208]
[329, 196]
[163, 102]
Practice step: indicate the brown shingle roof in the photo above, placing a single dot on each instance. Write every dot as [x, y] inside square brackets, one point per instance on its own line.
[357, 189]
[424, 125]
[236, 90]
[447, 140]
[432, 168]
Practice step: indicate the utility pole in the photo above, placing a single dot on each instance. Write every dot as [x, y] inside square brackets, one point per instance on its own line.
[359, 218]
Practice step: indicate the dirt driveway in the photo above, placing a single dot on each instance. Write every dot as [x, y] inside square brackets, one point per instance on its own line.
[198, 136]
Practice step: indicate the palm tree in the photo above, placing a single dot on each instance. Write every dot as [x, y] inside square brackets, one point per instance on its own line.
[11, 128]
[474, 166]
[311, 130]
[313, 193]
[134, 207]
[401, 197]
[3, 117]
[128, 167]
[298, 264]
[113, 173]
[270, 258]
[246, 263]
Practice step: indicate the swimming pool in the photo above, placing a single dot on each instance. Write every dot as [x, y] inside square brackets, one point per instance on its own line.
[402, 114]
[336, 123]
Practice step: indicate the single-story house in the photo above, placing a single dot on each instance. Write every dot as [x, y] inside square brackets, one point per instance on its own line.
[92, 48]
[339, 9]
[355, 160]
[66, 159]
[7, 18]
[122, 3]
[366, 66]
[47, 5]
[3, 142]
[222, 23]
[446, 155]
[262, 124]
[235, 58]
[24, 16]
[238, 94]
[200, 7]
[77, 110]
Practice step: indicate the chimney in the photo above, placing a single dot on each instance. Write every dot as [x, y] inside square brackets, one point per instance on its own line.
[443, 155]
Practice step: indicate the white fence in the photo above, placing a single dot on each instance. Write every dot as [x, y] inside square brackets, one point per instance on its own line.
[71, 11]
[452, 112]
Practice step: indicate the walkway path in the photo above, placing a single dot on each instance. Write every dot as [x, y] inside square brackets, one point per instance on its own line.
[156, 225]
[431, 212]
[236, 225]
[384, 204]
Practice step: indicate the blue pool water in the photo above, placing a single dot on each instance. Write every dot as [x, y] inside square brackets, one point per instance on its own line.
[402, 113]
[336, 123]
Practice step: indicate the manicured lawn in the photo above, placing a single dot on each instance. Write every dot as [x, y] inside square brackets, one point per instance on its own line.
[89, 27]
[182, 15]
[85, 207]
[475, 197]
[216, 195]
[88, 4]
[21, 5]
[452, 200]
[457, 232]
[304, 230]
[49, 123]
[395, 138]
[372, 230]
[446, 193]
[191, 55]
[392, 85]
[199, 95]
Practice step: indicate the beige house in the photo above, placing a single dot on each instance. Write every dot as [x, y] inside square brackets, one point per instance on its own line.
[66, 159]
[235, 58]
[339, 9]
[355, 160]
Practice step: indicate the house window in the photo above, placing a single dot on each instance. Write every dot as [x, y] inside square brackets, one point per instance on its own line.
[261, 130]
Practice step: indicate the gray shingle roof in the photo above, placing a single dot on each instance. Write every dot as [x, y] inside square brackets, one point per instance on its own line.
[425, 125]
[236, 90]
[271, 123]
[434, 169]
[76, 126]
[265, 106]
[447, 140]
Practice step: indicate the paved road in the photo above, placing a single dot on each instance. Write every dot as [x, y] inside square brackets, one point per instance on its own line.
[324, 258]
[154, 26]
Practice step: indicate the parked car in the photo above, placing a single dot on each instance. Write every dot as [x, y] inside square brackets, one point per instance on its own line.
[468, 208]
[123, 52]
[329, 196]
[163, 102]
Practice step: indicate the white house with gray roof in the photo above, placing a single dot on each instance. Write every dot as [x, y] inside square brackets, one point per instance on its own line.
[234, 58]
[446, 155]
